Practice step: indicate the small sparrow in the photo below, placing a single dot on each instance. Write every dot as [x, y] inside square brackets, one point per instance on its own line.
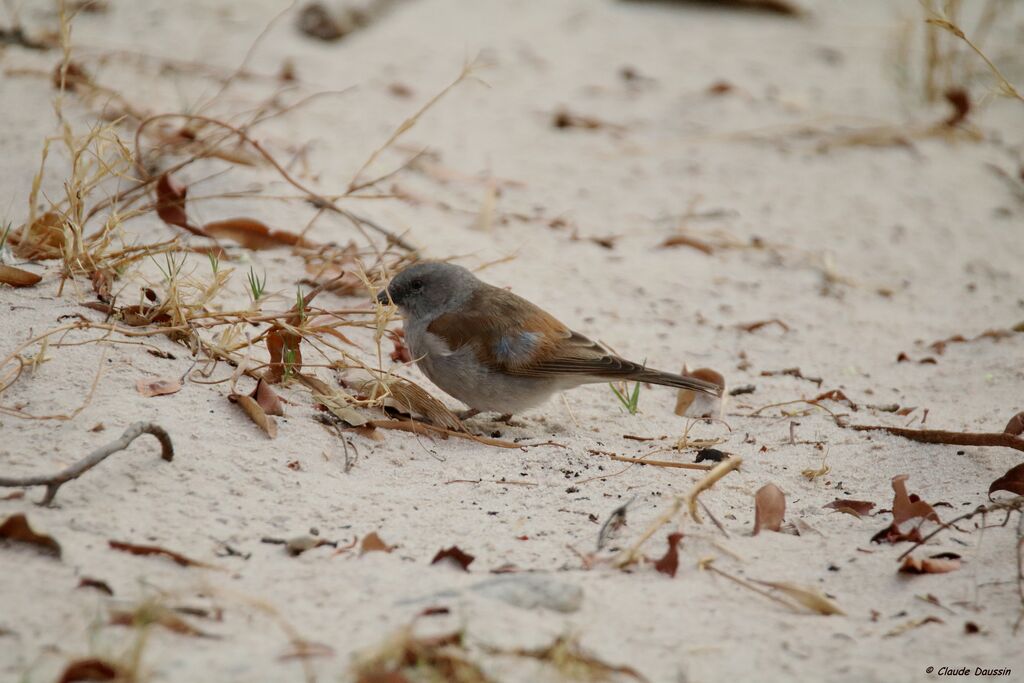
[496, 351]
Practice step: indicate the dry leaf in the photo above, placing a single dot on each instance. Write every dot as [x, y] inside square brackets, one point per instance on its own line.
[267, 398]
[690, 403]
[252, 234]
[857, 508]
[811, 598]
[281, 342]
[669, 562]
[905, 508]
[158, 387]
[170, 203]
[835, 395]
[1016, 425]
[16, 529]
[92, 669]
[936, 564]
[43, 239]
[769, 508]
[1012, 481]
[374, 543]
[455, 556]
[135, 549]
[256, 413]
[16, 277]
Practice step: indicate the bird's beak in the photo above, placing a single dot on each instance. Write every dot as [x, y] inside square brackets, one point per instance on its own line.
[383, 298]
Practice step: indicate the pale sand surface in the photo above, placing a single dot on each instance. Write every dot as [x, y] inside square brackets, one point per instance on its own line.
[931, 224]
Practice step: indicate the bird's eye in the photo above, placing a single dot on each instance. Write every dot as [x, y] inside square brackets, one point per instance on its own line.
[416, 285]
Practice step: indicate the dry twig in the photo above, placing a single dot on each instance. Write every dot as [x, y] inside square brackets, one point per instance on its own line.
[53, 482]
[949, 438]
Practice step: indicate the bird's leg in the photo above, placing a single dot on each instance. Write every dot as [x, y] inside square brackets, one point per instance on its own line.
[466, 414]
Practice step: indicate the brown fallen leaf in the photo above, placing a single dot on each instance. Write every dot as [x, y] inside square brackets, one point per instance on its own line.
[41, 240]
[16, 277]
[909, 506]
[285, 353]
[905, 508]
[16, 529]
[146, 550]
[689, 403]
[834, 395]
[857, 508]
[161, 386]
[811, 598]
[669, 562]
[256, 413]
[1012, 481]
[267, 398]
[769, 508]
[103, 283]
[454, 555]
[252, 234]
[1015, 426]
[92, 669]
[936, 564]
[170, 204]
[373, 543]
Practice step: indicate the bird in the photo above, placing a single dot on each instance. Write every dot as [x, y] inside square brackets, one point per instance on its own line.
[497, 352]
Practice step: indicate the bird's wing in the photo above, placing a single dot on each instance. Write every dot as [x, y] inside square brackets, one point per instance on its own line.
[512, 335]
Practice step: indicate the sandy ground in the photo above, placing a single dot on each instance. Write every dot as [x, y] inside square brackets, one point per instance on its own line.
[866, 252]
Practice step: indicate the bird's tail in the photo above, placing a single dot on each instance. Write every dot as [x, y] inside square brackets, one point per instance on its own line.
[680, 382]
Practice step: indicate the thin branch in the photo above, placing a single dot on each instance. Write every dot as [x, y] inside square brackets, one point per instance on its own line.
[318, 200]
[949, 438]
[1013, 504]
[53, 482]
[663, 463]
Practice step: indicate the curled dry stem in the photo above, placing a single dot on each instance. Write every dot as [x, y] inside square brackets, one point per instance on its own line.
[53, 482]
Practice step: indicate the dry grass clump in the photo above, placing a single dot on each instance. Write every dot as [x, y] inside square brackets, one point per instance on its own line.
[185, 287]
[952, 46]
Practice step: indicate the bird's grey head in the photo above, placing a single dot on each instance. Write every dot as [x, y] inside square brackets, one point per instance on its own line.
[427, 290]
